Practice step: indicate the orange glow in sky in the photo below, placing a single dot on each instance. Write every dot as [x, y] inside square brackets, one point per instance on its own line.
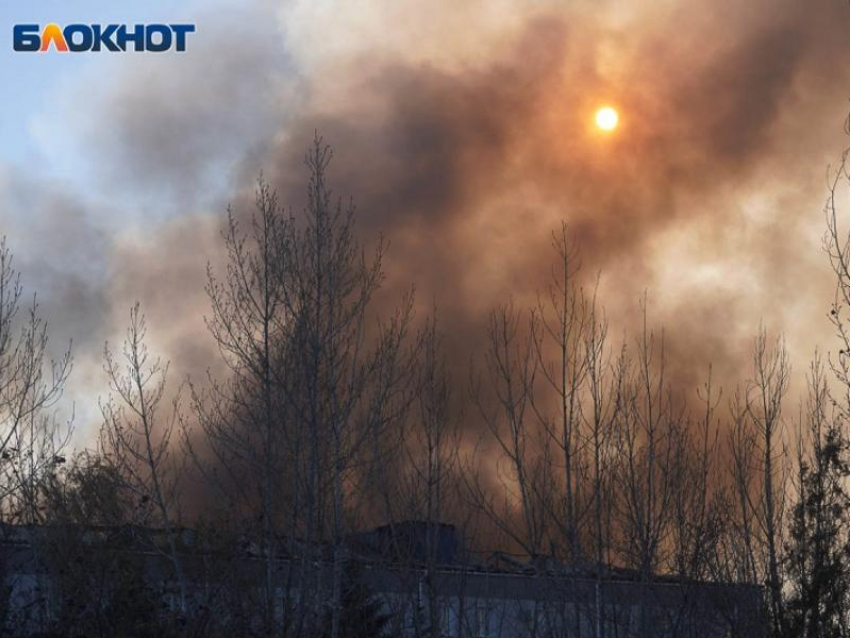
[607, 118]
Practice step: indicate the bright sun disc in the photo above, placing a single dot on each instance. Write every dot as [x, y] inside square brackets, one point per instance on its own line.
[607, 118]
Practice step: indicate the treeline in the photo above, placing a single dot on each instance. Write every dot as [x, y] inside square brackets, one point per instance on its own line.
[333, 418]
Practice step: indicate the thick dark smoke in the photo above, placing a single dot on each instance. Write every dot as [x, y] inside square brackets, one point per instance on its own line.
[467, 172]
[467, 146]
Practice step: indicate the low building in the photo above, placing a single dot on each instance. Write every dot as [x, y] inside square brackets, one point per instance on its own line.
[497, 596]
[504, 597]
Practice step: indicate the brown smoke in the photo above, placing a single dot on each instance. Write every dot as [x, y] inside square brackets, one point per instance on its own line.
[710, 176]
[464, 136]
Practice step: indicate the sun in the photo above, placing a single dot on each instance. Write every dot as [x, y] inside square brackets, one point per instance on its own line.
[607, 118]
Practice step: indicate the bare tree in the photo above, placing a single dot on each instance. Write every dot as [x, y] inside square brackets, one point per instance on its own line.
[607, 382]
[563, 321]
[764, 399]
[505, 407]
[313, 381]
[242, 418]
[742, 523]
[32, 439]
[432, 453]
[694, 517]
[649, 431]
[137, 438]
[352, 377]
[836, 244]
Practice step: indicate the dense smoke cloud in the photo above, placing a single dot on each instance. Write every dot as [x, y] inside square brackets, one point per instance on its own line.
[467, 170]
[464, 136]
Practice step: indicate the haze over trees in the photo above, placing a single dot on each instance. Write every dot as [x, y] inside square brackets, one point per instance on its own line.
[335, 416]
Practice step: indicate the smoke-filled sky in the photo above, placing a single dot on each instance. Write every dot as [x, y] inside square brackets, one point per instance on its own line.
[464, 132]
